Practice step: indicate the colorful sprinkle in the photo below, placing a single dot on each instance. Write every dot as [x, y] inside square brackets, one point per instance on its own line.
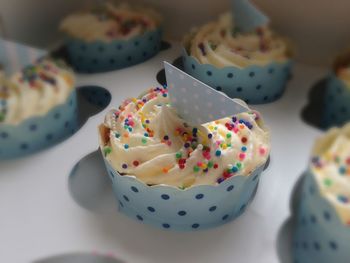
[107, 150]
[343, 199]
[328, 182]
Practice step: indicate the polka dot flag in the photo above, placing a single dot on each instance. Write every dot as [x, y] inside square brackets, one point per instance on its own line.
[195, 101]
[15, 56]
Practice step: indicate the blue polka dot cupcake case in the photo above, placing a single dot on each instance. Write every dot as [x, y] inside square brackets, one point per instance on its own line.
[255, 85]
[37, 133]
[119, 36]
[199, 207]
[319, 235]
[253, 66]
[322, 232]
[337, 95]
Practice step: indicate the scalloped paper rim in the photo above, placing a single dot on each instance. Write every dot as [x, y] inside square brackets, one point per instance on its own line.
[134, 196]
[157, 38]
[40, 119]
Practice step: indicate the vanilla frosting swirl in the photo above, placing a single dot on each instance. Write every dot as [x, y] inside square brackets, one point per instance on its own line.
[110, 22]
[146, 138]
[331, 167]
[220, 44]
[34, 90]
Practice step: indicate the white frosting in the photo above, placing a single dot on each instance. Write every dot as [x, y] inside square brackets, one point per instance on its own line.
[147, 139]
[217, 44]
[331, 168]
[34, 91]
[111, 22]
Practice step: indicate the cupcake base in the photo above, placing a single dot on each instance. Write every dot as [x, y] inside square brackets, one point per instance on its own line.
[319, 235]
[198, 207]
[99, 56]
[253, 84]
[40, 132]
[336, 102]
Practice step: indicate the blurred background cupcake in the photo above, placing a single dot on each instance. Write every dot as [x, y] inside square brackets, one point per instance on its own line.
[253, 66]
[171, 174]
[111, 36]
[322, 232]
[337, 95]
[37, 107]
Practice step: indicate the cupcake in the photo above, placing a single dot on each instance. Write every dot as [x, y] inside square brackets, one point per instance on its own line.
[117, 36]
[171, 174]
[322, 231]
[253, 66]
[337, 95]
[37, 108]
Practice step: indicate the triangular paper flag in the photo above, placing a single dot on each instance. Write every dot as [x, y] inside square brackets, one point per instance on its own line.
[15, 56]
[195, 101]
[246, 16]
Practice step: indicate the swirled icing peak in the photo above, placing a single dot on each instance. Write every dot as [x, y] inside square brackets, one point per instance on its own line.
[146, 138]
[218, 43]
[331, 168]
[110, 22]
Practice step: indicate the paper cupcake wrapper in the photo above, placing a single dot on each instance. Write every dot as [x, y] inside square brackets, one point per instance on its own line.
[319, 235]
[336, 102]
[253, 84]
[195, 208]
[99, 56]
[39, 132]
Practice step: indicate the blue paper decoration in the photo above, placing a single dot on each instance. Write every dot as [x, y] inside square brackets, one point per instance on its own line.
[101, 56]
[246, 16]
[336, 102]
[195, 101]
[319, 235]
[15, 56]
[195, 208]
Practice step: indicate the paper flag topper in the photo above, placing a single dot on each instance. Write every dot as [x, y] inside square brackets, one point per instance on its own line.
[195, 101]
[15, 56]
[246, 16]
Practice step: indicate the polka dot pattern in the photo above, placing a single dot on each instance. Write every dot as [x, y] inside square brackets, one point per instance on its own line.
[319, 235]
[186, 210]
[39, 132]
[100, 57]
[247, 84]
[336, 101]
